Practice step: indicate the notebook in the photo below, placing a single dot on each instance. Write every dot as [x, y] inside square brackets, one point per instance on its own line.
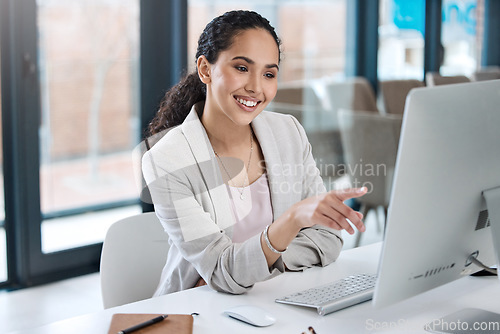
[174, 323]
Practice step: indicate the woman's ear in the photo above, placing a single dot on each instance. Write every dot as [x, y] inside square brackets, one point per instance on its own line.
[203, 69]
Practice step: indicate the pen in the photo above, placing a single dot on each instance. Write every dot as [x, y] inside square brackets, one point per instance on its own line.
[143, 324]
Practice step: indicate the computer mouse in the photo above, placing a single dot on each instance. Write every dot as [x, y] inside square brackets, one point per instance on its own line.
[252, 315]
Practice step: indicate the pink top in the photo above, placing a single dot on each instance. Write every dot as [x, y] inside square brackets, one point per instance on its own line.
[251, 208]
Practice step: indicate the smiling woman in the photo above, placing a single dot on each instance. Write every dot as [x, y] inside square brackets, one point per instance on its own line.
[236, 230]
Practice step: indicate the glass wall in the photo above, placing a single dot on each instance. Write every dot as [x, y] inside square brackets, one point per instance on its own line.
[401, 39]
[461, 36]
[88, 60]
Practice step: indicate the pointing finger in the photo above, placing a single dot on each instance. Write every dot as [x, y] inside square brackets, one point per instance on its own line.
[346, 194]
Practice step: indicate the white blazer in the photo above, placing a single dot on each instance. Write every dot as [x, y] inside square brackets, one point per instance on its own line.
[192, 203]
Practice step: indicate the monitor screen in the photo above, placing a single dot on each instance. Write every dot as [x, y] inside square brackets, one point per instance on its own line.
[449, 153]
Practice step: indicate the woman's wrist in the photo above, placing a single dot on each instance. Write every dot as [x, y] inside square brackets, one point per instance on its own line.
[280, 234]
[292, 216]
[269, 244]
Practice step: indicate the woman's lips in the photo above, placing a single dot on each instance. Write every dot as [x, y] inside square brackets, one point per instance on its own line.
[247, 104]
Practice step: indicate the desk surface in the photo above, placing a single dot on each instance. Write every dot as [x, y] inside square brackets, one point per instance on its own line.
[409, 316]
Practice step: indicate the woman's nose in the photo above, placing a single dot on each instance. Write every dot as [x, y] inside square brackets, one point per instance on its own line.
[253, 84]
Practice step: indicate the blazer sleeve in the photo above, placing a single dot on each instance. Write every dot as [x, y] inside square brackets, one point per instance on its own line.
[178, 197]
[317, 245]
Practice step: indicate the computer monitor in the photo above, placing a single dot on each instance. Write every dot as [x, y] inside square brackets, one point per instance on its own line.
[449, 154]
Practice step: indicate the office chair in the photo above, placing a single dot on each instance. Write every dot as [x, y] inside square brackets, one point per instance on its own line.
[393, 94]
[487, 73]
[303, 100]
[133, 255]
[435, 79]
[353, 94]
[370, 141]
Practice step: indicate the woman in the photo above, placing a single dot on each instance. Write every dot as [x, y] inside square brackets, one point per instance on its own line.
[234, 224]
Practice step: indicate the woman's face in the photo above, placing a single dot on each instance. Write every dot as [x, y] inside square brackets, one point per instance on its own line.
[243, 80]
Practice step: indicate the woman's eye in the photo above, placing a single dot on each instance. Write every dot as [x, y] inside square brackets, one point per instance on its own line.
[241, 68]
[269, 75]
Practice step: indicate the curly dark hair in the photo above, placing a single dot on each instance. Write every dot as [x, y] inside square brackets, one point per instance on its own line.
[217, 36]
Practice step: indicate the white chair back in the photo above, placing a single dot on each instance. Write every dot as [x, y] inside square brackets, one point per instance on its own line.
[133, 255]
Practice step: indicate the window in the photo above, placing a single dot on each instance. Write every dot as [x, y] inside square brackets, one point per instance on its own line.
[461, 36]
[401, 39]
[88, 60]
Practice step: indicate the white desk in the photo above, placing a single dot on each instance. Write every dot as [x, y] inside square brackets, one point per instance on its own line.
[409, 316]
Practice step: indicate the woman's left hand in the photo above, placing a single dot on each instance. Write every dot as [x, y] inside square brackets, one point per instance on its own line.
[201, 282]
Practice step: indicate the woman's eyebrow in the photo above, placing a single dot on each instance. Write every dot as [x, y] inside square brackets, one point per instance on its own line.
[250, 61]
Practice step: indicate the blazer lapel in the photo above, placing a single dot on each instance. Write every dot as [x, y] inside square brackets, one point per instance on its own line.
[277, 183]
[203, 153]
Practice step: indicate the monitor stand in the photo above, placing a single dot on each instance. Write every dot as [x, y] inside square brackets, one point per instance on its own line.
[492, 198]
[467, 320]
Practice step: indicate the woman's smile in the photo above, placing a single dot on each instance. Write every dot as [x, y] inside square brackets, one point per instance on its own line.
[247, 103]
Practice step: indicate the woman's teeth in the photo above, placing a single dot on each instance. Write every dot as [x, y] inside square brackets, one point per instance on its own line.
[247, 103]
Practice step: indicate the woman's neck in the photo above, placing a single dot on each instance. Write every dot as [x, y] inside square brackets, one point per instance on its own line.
[225, 136]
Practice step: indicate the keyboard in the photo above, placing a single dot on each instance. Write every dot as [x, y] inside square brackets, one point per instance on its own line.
[335, 296]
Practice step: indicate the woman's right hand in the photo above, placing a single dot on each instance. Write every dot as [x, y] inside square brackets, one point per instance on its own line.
[326, 209]
[329, 210]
